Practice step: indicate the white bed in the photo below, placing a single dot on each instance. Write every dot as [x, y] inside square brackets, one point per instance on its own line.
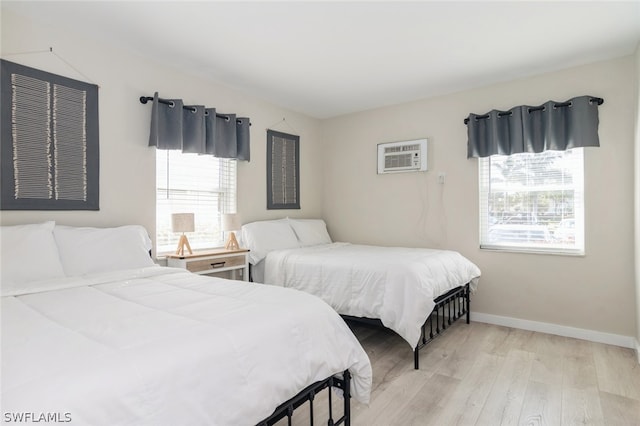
[395, 285]
[155, 345]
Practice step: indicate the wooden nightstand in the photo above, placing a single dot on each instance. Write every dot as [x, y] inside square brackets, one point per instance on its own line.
[213, 261]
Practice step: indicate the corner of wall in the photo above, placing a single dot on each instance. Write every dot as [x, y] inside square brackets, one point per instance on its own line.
[637, 199]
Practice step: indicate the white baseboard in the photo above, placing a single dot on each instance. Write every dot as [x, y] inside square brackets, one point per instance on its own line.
[560, 330]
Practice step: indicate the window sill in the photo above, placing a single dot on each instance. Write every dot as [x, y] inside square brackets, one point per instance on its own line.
[532, 250]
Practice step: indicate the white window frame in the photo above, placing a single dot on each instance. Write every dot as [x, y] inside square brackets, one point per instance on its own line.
[199, 184]
[499, 233]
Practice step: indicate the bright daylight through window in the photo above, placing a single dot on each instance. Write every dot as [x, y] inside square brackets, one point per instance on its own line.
[192, 183]
[533, 202]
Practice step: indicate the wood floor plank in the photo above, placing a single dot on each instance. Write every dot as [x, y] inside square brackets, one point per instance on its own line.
[504, 403]
[424, 404]
[549, 344]
[385, 408]
[542, 405]
[511, 338]
[460, 349]
[617, 370]
[579, 372]
[619, 411]
[494, 341]
[466, 402]
[581, 407]
[391, 363]
[547, 368]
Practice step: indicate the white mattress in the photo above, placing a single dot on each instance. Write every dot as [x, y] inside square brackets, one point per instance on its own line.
[161, 346]
[394, 284]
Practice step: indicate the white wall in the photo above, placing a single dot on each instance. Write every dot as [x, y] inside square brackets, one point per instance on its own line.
[127, 165]
[594, 292]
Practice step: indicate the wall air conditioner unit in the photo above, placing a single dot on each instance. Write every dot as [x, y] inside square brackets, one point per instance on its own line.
[406, 156]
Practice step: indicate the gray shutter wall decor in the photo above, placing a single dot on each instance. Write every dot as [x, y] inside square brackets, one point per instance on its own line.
[49, 152]
[283, 170]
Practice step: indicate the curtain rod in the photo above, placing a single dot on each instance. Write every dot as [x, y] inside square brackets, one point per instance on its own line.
[599, 101]
[145, 99]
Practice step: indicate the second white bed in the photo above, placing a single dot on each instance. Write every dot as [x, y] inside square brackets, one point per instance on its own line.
[396, 285]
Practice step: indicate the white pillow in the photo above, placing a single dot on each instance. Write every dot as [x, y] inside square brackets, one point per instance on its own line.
[28, 253]
[267, 235]
[310, 232]
[92, 250]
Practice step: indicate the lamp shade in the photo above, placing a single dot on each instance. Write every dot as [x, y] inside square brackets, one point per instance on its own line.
[182, 222]
[231, 222]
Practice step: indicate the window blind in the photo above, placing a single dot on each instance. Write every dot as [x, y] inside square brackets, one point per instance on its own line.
[192, 183]
[533, 202]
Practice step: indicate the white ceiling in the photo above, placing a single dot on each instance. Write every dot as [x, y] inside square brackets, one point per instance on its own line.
[326, 59]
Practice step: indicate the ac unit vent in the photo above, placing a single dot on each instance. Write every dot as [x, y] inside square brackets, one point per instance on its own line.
[407, 156]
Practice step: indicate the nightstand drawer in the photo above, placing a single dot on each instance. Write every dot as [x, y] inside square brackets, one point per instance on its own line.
[215, 263]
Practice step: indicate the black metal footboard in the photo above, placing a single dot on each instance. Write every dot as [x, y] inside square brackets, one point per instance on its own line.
[308, 394]
[449, 308]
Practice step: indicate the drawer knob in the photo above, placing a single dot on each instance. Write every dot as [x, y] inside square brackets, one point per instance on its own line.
[217, 264]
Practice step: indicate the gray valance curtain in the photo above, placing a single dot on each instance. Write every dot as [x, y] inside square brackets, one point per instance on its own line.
[197, 129]
[552, 126]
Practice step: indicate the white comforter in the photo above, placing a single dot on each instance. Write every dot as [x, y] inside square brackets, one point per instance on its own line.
[161, 346]
[396, 285]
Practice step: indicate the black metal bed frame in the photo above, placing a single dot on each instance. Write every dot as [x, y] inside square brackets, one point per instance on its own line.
[308, 394]
[460, 298]
[449, 307]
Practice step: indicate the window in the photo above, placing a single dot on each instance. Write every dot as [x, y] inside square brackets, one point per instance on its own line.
[533, 202]
[192, 183]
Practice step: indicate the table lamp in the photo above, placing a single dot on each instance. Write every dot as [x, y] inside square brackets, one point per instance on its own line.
[230, 223]
[182, 222]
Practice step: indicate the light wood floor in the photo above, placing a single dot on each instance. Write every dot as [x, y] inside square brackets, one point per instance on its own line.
[481, 374]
